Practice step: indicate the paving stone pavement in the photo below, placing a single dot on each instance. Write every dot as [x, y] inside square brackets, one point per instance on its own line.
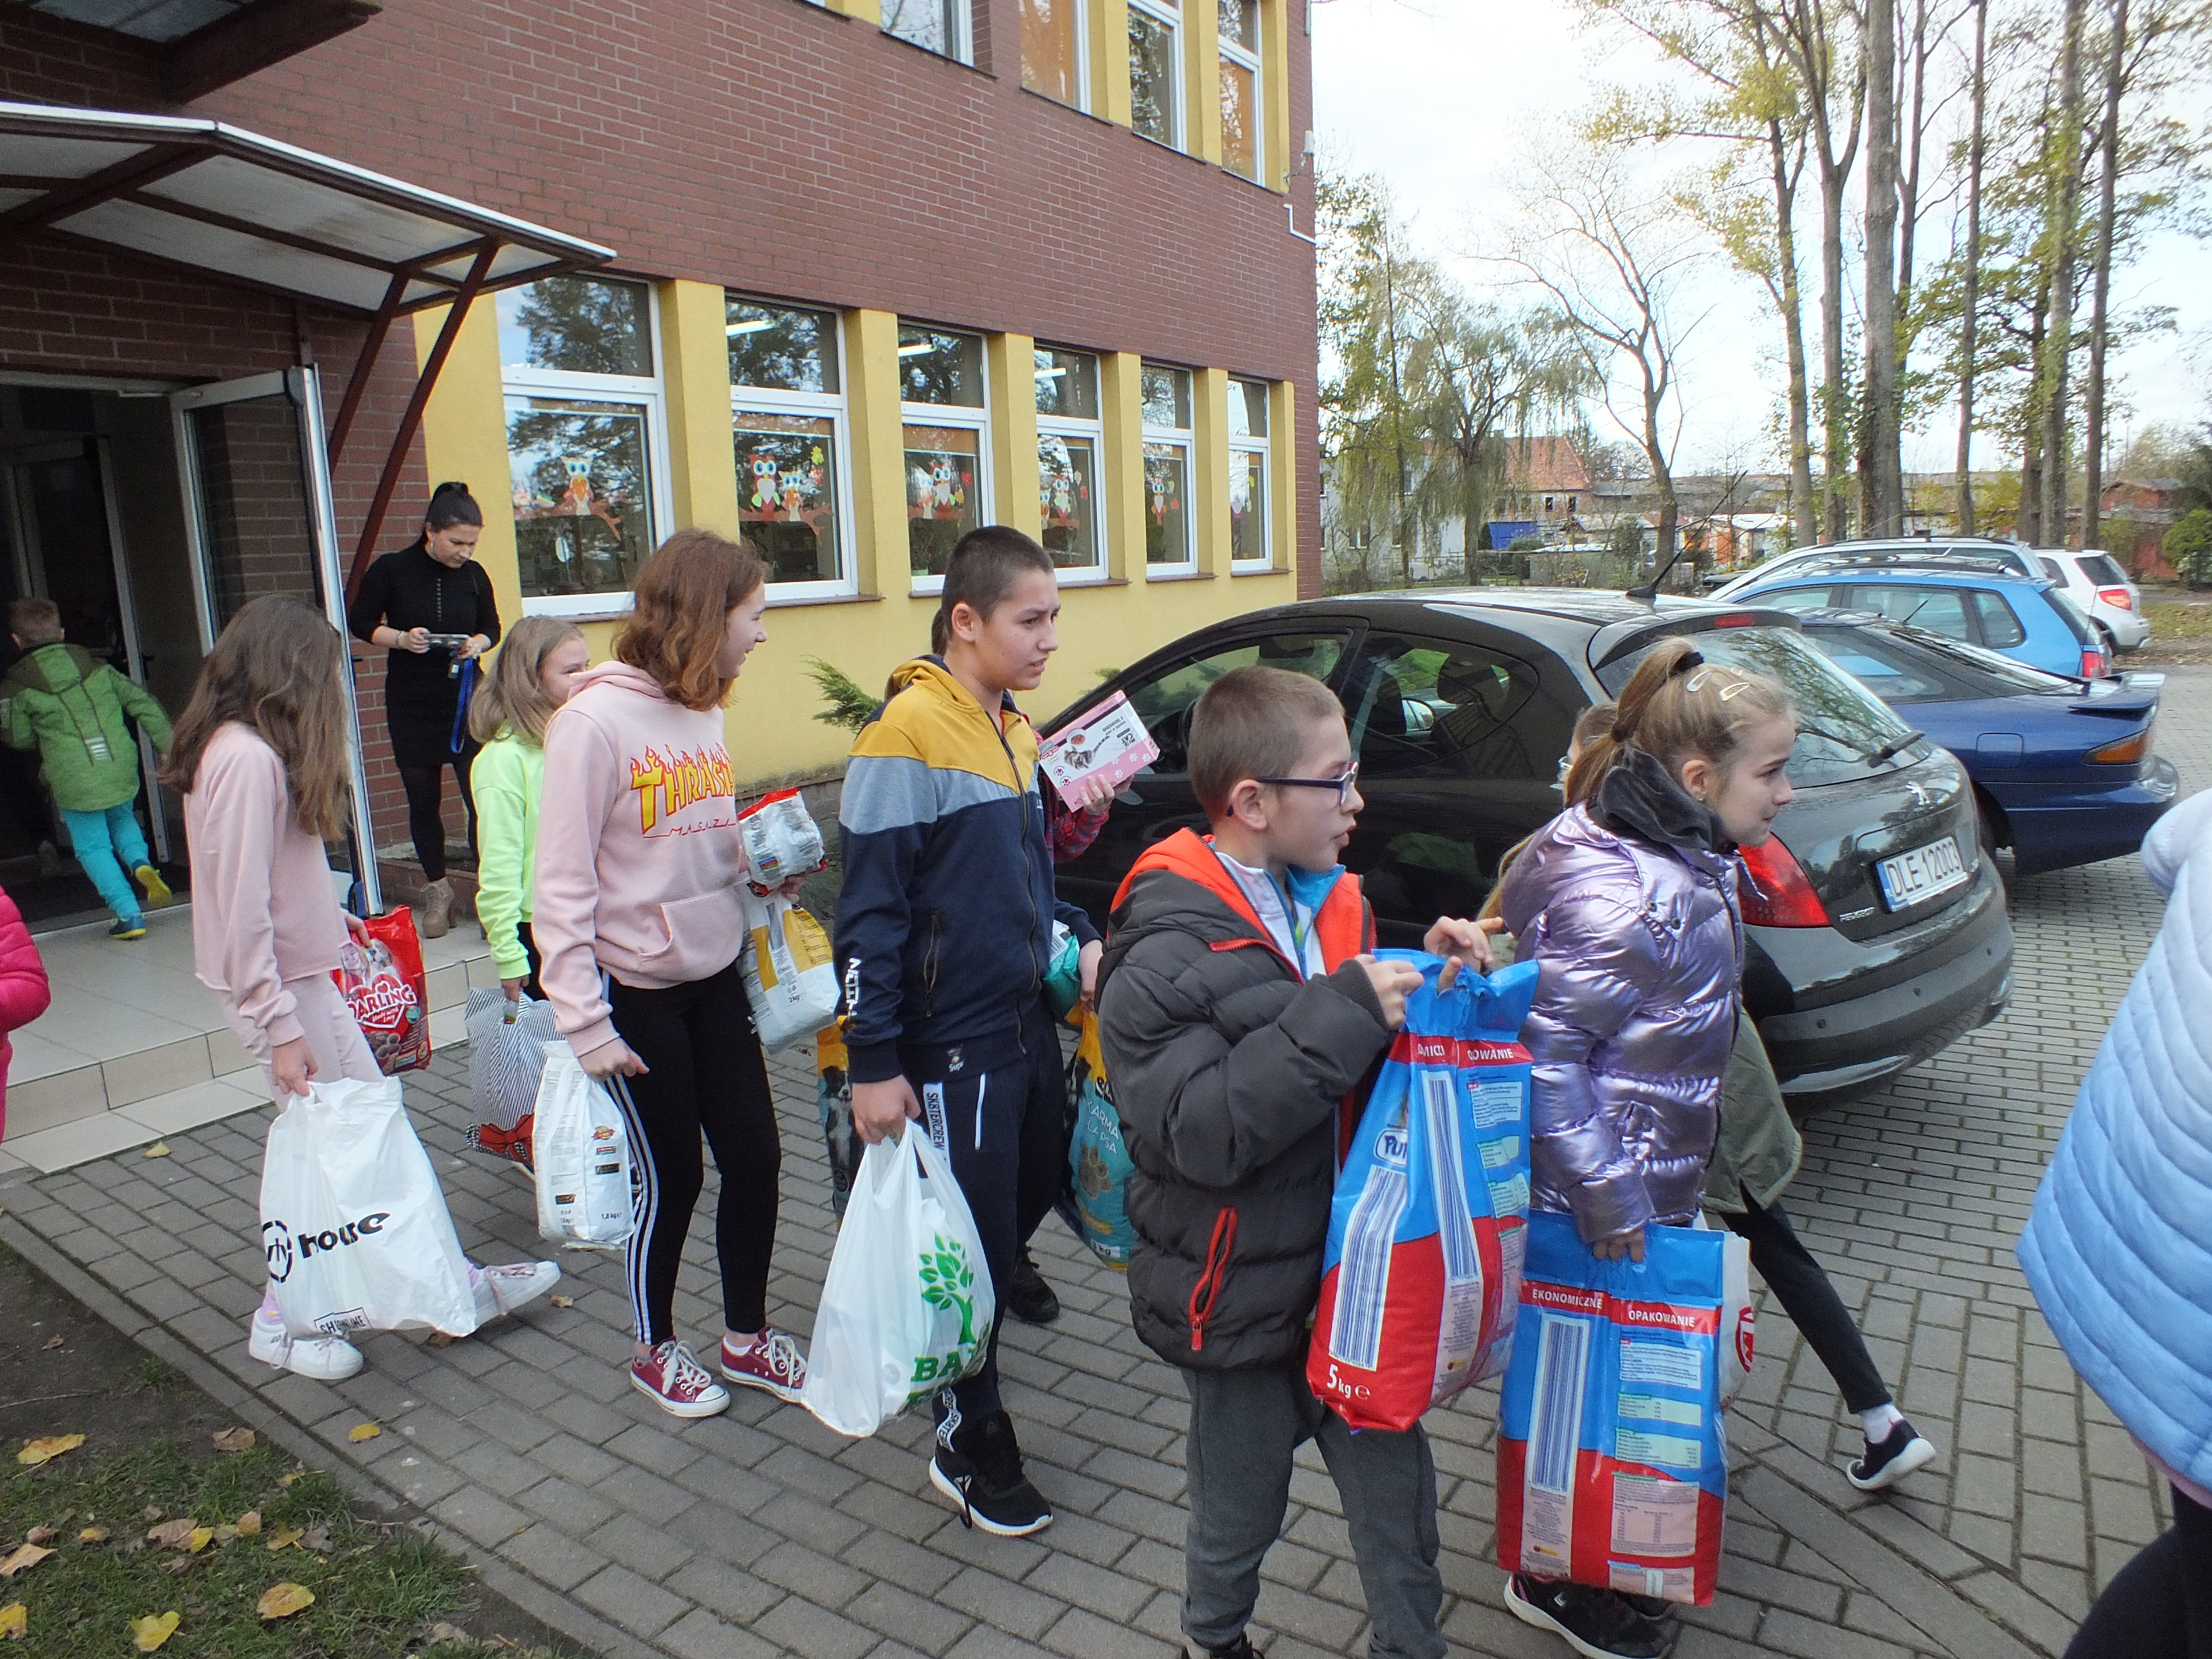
[760, 1533]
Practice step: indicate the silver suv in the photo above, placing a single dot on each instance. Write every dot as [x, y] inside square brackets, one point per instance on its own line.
[1913, 549]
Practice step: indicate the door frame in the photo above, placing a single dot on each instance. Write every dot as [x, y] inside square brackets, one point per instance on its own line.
[301, 387]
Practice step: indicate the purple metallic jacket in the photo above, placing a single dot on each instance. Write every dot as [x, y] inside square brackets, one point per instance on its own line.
[1642, 952]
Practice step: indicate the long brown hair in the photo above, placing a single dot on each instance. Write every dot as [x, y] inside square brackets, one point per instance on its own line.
[274, 668]
[684, 593]
[512, 694]
[1676, 705]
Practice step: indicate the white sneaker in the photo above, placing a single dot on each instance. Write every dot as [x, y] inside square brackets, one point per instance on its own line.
[503, 1289]
[325, 1359]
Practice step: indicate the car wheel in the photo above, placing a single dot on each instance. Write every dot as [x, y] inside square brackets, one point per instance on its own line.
[1986, 832]
[2111, 645]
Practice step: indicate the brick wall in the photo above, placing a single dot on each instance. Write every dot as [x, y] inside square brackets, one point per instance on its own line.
[777, 147]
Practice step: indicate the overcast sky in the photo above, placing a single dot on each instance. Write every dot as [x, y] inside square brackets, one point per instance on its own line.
[1444, 99]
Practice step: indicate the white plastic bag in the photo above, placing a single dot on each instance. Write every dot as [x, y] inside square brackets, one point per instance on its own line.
[353, 1221]
[581, 1157]
[790, 979]
[781, 840]
[507, 1055]
[905, 1310]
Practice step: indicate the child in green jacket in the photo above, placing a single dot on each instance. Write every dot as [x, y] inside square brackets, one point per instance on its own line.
[535, 669]
[77, 712]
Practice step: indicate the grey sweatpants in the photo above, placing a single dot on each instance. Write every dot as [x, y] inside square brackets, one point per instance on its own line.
[1244, 1427]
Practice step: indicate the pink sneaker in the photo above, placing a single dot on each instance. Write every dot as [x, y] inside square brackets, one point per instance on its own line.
[772, 1362]
[677, 1384]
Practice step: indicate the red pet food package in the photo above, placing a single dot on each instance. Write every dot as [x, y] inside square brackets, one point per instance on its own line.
[383, 986]
[1421, 1277]
[1612, 1465]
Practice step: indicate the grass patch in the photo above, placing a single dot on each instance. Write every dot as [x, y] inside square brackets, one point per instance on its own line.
[154, 1375]
[378, 1588]
[2170, 620]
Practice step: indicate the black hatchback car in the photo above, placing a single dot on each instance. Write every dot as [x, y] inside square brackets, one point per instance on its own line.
[1878, 934]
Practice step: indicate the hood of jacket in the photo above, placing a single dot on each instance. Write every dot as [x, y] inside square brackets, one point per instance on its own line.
[1228, 1074]
[51, 668]
[1638, 798]
[1642, 952]
[623, 675]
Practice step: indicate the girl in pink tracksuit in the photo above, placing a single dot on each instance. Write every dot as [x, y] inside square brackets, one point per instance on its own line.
[641, 912]
[259, 754]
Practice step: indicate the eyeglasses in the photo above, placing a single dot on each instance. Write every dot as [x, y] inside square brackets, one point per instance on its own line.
[1345, 783]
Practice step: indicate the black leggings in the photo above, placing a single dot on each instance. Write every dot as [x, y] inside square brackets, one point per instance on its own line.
[706, 1074]
[425, 821]
[2160, 1604]
[1801, 1285]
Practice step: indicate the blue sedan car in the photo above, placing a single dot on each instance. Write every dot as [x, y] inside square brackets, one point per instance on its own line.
[2061, 767]
[1973, 601]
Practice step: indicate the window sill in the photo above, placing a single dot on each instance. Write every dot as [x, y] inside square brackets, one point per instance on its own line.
[792, 602]
[580, 607]
[1180, 576]
[1073, 109]
[1100, 581]
[936, 55]
[1257, 570]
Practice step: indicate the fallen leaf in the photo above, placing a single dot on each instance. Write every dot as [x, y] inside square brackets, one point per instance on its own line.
[40, 1534]
[564, 1301]
[226, 1534]
[315, 1538]
[234, 1440]
[199, 1539]
[153, 1630]
[36, 1452]
[53, 1342]
[283, 1537]
[159, 1148]
[282, 1600]
[14, 1621]
[249, 1523]
[92, 1535]
[439, 1340]
[171, 1534]
[451, 1635]
[177, 1564]
[360, 1431]
[29, 1556]
[154, 1512]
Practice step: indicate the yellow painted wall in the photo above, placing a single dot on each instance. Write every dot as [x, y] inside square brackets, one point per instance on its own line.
[773, 735]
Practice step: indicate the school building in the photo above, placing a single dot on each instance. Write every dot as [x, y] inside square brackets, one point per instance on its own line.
[848, 278]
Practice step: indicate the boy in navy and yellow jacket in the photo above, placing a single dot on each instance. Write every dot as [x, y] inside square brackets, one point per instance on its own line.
[944, 939]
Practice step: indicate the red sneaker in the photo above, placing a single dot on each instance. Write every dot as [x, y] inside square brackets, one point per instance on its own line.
[677, 1384]
[772, 1362]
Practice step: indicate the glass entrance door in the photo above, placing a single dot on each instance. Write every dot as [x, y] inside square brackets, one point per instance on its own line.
[259, 518]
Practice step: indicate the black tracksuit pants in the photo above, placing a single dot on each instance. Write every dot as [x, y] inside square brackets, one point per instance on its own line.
[1801, 1285]
[2161, 1602]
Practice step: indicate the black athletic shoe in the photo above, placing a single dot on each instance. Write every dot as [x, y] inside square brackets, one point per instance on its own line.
[1596, 1623]
[1651, 1606]
[981, 1470]
[1242, 1648]
[1899, 1453]
[1028, 1297]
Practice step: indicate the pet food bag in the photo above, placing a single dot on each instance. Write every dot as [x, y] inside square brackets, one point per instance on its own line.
[383, 986]
[790, 981]
[781, 840]
[506, 1058]
[833, 1098]
[907, 1305]
[581, 1158]
[353, 1222]
[1421, 1277]
[1612, 1470]
[1098, 1163]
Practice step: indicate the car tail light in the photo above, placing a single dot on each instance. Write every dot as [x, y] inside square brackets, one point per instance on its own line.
[1775, 891]
[2118, 598]
[2093, 665]
[2127, 752]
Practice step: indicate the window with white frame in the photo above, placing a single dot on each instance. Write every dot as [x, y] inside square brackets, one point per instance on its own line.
[1156, 70]
[1056, 50]
[1250, 548]
[1070, 443]
[1170, 547]
[947, 427]
[1239, 34]
[586, 438]
[788, 438]
[943, 27]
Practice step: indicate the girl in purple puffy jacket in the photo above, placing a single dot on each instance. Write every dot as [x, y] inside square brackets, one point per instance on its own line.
[1628, 901]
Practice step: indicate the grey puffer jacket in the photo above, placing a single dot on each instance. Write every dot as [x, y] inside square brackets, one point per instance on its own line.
[1630, 905]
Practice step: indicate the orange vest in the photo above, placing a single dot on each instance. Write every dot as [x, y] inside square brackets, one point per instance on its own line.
[1341, 926]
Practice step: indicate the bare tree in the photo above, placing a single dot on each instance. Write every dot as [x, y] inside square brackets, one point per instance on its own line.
[1609, 254]
[2108, 185]
[1976, 151]
[1880, 509]
[2063, 230]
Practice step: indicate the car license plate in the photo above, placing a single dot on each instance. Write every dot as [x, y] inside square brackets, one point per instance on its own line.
[1915, 877]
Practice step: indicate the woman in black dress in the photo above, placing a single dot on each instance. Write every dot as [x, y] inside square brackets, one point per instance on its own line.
[433, 588]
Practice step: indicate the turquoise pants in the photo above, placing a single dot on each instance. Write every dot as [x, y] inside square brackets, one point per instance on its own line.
[110, 847]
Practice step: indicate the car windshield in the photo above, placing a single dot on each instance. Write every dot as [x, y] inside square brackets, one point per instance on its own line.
[2076, 620]
[1842, 725]
[2099, 569]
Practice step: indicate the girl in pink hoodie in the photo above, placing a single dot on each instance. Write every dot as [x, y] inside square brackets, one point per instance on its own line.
[260, 757]
[641, 912]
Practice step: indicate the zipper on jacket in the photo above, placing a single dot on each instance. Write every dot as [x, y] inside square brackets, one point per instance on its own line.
[929, 964]
[1029, 869]
[1212, 1276]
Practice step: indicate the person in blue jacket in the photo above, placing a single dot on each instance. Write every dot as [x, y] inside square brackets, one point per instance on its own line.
[2119, 1250]
[944, 940]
